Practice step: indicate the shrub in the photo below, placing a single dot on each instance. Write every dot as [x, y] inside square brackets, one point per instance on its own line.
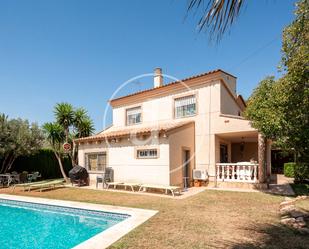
[300, 189]
[301, 172]
[44, 162]
[289, 169]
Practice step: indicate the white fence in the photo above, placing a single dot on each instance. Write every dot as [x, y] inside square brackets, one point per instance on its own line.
[237, 172]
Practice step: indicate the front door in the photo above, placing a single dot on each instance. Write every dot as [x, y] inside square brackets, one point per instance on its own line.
[223, 153]
[186, 168]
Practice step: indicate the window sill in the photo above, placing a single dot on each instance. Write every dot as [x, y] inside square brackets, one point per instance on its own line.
[139, 158]
[189, 116]
[133, 124]
[96, 172]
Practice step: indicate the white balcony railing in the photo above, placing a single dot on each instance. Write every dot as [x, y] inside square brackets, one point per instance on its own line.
[237, 172]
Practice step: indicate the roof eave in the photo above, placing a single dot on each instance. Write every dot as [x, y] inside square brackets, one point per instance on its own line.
[106, 137]
[112, 101]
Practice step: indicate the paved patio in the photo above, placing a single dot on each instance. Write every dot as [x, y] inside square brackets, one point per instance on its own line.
[280, 185]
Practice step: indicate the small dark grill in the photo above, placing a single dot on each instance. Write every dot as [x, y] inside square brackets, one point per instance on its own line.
[79, 175]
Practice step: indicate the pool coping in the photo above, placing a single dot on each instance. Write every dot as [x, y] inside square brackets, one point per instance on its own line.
[107, 237]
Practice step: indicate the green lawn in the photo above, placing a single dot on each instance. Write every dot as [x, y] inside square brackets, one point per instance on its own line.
[211, 219]
[300, 189]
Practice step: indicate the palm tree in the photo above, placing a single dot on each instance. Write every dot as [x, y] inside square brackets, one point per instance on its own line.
[82, 123]
[70, 124]
[216, 15]
[56, 137]
[64, 113]
[83, 127]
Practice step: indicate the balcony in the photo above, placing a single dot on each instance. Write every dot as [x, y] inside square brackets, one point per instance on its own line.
[237, 172]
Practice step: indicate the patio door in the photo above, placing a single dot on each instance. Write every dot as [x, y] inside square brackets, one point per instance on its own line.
[223, 153]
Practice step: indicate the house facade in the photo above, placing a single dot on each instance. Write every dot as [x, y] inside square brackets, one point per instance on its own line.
[165, 134]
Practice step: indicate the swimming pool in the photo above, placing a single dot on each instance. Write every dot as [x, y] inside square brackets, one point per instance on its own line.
[32, 224]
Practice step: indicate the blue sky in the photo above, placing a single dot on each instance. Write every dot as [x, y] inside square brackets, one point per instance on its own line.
[81, 51]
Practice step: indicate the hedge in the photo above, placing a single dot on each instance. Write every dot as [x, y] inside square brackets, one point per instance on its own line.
[44, 162]
[289, 169]
[301, 173]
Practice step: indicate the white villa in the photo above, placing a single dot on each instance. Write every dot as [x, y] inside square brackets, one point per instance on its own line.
[180, 131]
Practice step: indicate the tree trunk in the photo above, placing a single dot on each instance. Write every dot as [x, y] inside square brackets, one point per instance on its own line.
[9, 164]
[74, 154]
[66, 134]
[268, 159]
[61, 167]
[6, 162]
[3, 163]
[262, 156]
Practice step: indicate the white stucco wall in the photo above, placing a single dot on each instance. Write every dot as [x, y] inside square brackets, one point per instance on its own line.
[161, 109]
[228, 104]
[212, 100]
[180, 140]
[121, 157]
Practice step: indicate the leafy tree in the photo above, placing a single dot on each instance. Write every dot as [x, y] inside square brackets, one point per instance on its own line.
[280, 109]
[70, 124]
[263, 109]
[17, 138]
[293, 87]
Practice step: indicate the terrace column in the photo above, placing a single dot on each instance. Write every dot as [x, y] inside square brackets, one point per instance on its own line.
[262, 158]
[268, 158]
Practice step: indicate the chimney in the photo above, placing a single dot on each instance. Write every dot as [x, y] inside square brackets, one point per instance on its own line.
[158, 78]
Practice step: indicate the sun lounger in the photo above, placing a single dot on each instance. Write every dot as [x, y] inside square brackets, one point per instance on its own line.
[130, 184]
[172, 189]
[46, 185]
[115, 184]
[25, 185]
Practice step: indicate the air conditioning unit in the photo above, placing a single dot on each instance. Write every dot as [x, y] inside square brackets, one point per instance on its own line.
[200, 174]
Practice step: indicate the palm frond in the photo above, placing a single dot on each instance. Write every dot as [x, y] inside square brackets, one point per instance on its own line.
[64, 113]
[54, 134]
[216, 15]
[85, 128]
[79, 115]
[83, 125]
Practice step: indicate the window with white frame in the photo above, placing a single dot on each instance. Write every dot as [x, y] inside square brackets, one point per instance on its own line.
[185, 106]
[147, 153]
[96, 161]
[134, 115]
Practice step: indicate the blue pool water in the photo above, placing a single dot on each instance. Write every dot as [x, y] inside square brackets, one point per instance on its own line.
[34, 226]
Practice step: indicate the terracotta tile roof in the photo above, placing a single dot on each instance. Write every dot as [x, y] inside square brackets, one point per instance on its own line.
[114, 132]
[172, 83]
